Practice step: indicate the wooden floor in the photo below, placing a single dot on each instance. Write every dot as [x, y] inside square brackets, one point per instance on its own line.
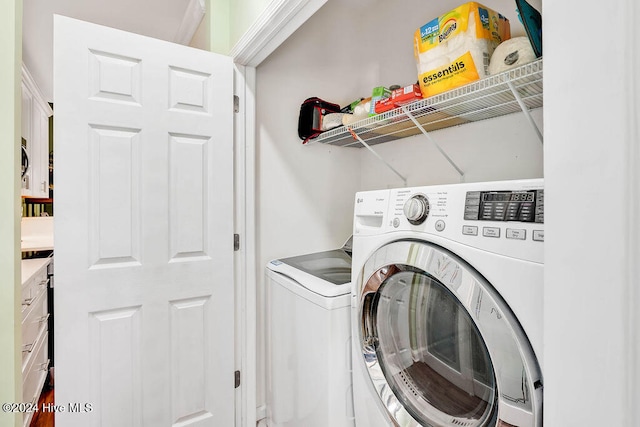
[40, 418]
[443, 394]
[46, 419]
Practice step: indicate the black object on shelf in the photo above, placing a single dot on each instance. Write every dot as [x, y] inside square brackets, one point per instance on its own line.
[532, 21]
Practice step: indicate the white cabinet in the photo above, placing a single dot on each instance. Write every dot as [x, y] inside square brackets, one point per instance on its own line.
[35, 138]
[35, 330]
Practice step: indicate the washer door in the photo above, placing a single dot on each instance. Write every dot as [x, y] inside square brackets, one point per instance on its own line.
[441, 346]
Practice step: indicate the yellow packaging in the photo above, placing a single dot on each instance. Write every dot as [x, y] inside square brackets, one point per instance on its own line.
[454, 49]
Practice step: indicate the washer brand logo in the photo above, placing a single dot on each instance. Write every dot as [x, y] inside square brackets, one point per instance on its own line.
[359, 200]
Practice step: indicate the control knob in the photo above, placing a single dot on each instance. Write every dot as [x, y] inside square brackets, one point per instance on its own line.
[416, 209]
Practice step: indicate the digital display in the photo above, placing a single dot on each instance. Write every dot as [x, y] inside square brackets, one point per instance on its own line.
[508, 196]
[496, 197]
[522, 197]
[521, 206]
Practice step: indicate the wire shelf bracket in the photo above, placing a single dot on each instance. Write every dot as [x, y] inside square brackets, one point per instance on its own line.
[525, 110]
[378, 156]
[518, 90]
[433, 141]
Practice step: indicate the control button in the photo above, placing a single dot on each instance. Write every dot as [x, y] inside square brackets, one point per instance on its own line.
[396, 222]
[491, 231]
[487, 211]
[469, 230]
[473, 195]
[512, 211]
[539, 214]
[471, 209]
[416, 209]
[440, 225]
[527, 212]
[498, 215]
[516, 233]
[538, 235]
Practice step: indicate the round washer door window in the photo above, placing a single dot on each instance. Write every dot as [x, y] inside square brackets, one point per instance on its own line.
[440, 346]
[431, 353]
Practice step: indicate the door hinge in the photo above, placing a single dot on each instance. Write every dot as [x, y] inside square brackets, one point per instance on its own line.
[236, 104]
[236, 242]
[236, 379]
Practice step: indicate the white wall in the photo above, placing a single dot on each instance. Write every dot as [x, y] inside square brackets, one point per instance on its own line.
[10, 118]
[243, 14]
[306, 193]
[490, 150]
[592, 173]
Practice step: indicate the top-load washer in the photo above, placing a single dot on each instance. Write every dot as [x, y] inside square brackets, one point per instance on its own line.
[308, 340]
[447, 305]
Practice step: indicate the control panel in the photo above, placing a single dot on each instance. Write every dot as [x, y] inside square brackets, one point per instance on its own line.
[501, 217]
[521, 206]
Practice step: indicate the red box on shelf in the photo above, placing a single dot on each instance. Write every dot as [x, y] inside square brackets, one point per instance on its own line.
[406, 95]
[384, 104]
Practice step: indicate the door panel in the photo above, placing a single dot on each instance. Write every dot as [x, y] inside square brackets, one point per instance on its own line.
[144, 233]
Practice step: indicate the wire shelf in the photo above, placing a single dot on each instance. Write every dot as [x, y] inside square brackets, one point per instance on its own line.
[480, 100]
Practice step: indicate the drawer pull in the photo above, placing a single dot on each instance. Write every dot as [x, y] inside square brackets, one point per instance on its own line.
[44, 366]
[43, 283]
[44, 318]
[27, 348]
[28, 301]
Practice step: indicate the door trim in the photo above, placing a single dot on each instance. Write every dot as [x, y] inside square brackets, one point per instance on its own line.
[278, 21]
[245, 258]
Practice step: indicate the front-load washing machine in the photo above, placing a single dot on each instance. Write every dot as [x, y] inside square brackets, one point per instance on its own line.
[447, 305]
[308, 340]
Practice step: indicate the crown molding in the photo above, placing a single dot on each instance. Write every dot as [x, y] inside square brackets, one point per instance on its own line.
[192, 18]
[33, 88]
[279, 20]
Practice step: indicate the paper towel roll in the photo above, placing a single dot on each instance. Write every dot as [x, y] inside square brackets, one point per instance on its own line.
[434, 58]
[332, 120]
[478, 48]
[510, 54]
[361, 111]
[450, 51]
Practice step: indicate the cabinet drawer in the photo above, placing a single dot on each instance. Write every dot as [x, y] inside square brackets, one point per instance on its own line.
[36, 374]
[33, 323]
[32, 288]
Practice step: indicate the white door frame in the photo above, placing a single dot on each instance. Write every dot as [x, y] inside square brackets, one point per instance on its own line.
[278, 21]
[244, 217]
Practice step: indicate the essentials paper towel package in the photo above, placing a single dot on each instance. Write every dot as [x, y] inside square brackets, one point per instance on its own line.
[454, 49]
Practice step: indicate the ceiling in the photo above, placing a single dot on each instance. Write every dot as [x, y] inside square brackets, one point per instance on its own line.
[161, 19]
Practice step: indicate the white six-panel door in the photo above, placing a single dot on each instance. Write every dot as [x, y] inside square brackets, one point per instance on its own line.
[144, 299]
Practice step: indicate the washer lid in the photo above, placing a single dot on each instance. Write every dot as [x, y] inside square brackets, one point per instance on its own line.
[324, 273]
[441, 346]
